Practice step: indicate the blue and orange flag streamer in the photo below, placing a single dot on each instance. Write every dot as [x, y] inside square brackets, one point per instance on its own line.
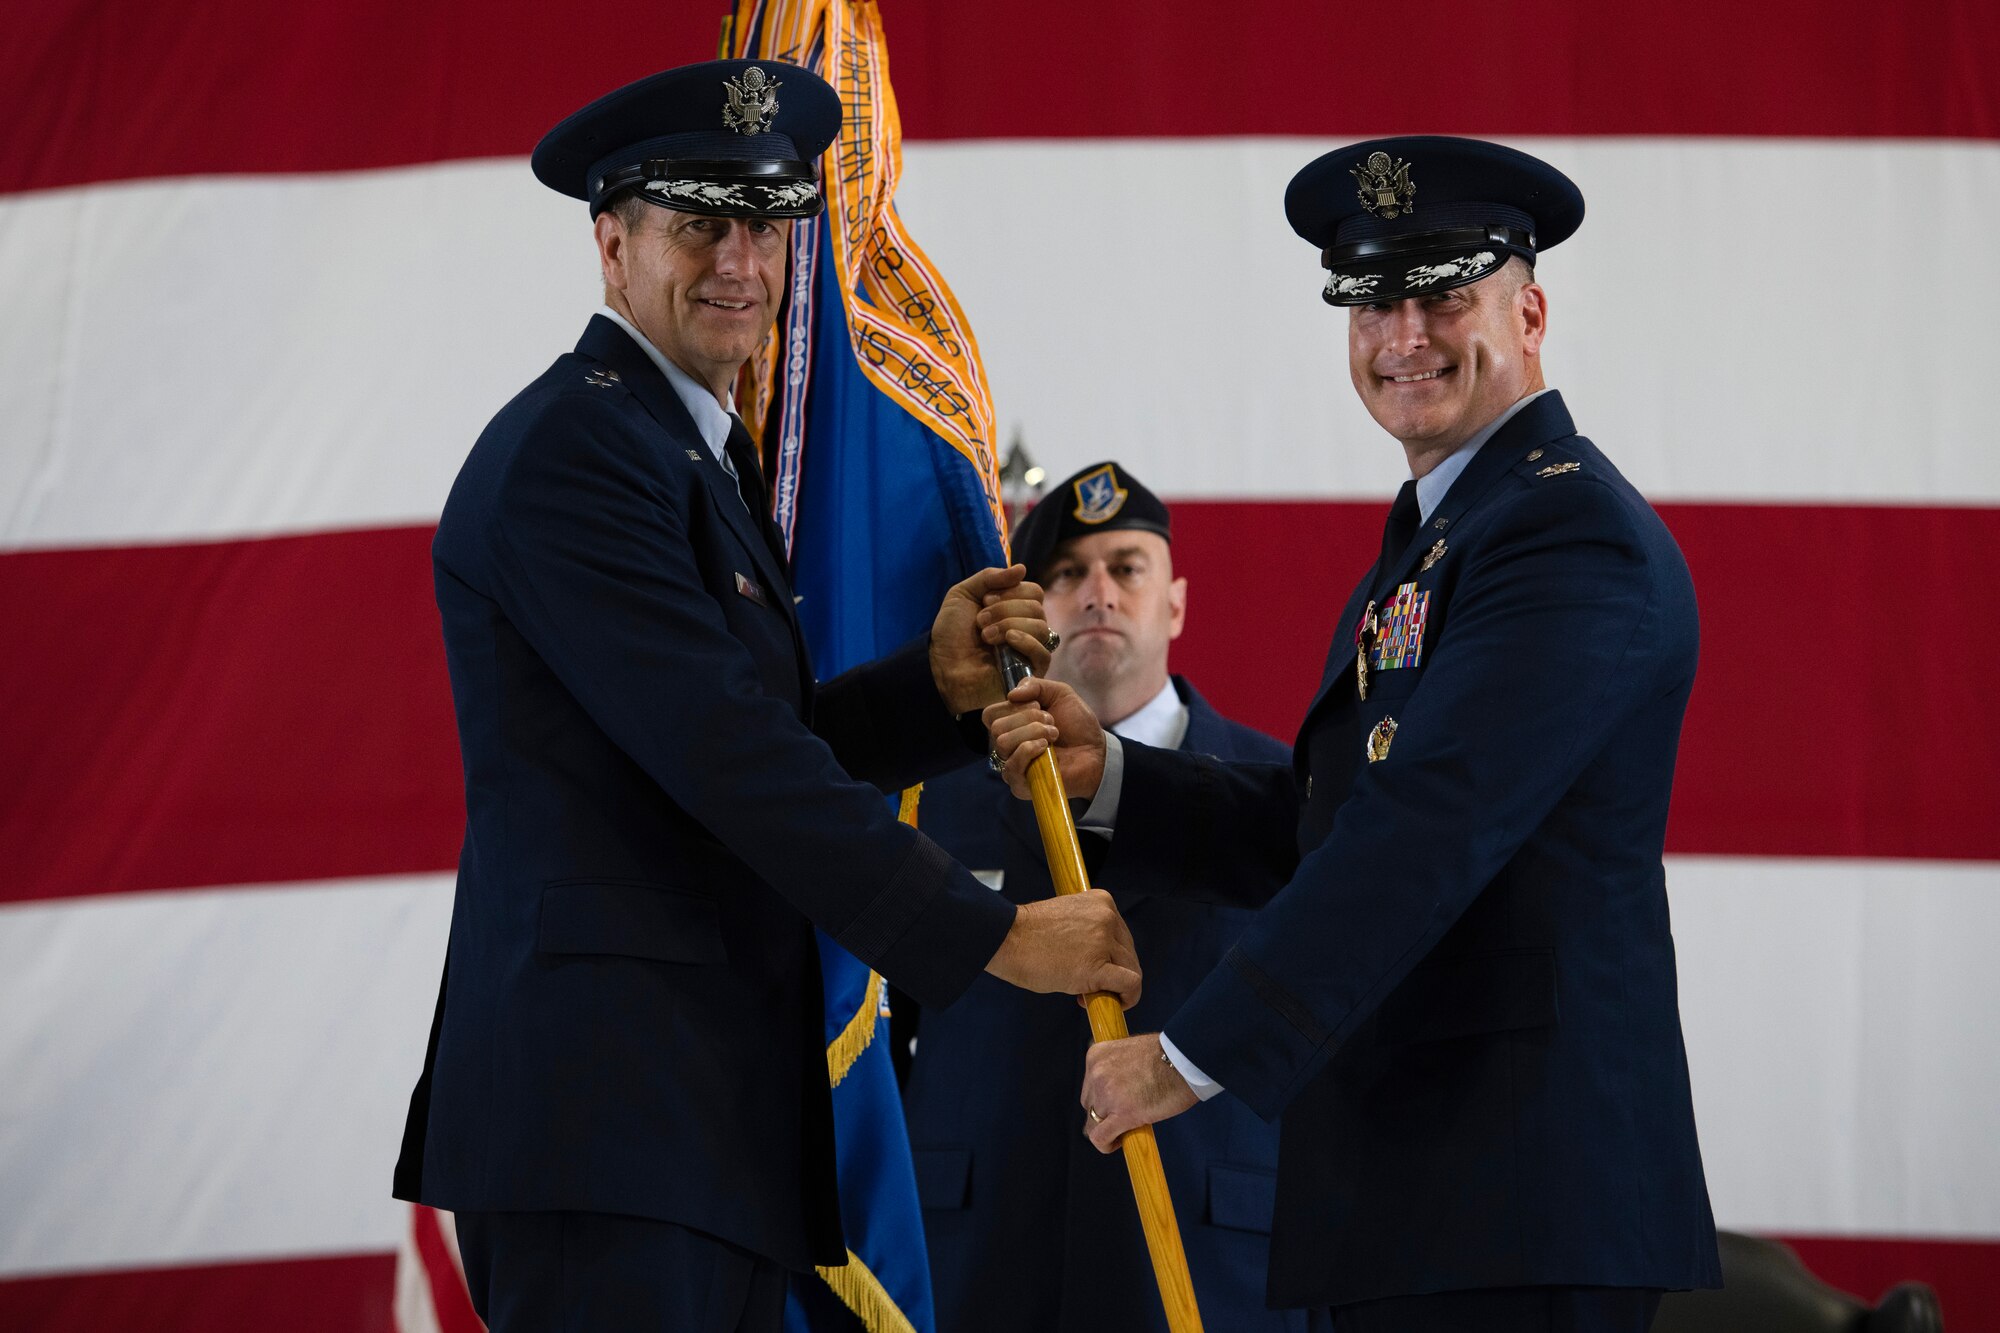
[875, 412]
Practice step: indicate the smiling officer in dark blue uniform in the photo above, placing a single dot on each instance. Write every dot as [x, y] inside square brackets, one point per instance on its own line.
[625, 1099]
[1028, 1226]
[1460, 992]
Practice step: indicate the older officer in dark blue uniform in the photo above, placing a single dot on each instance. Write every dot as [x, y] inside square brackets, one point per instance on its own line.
[1459, 993]
[1028, 1227]
[625, 1100]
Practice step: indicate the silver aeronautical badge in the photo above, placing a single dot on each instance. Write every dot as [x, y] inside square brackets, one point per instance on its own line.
[752, 102]
[1386, 188]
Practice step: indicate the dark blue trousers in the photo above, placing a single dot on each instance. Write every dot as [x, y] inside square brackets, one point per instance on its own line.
[606, 1273]
[1502, 1310]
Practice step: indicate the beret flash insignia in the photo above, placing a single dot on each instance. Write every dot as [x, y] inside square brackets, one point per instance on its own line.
[1099, 497]
[1386, 188]
[752, 102]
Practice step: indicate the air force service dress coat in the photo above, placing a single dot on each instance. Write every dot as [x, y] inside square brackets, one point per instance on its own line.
[661, 804]
[1460, 990]
[1029, 1226]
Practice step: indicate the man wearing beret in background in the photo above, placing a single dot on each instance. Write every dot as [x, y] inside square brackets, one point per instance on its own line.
[625, 1098]
[1459, 993]
[1028, 1226]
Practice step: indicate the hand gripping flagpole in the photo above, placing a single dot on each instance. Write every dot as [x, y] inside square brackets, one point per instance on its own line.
[1107, 1023]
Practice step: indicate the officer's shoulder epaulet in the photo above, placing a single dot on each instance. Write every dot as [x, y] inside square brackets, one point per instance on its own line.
[586, 376]
[1550, 462]
[576, 398]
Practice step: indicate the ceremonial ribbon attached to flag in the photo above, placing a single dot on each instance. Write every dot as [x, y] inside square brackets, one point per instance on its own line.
[871, 400]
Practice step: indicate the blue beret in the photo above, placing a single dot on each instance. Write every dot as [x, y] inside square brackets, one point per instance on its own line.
[1425, 213]
[731, 138]
[1101, 498]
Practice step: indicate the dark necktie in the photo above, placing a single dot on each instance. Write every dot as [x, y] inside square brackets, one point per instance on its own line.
[749, 476]
[1399, 530]
[750, 485]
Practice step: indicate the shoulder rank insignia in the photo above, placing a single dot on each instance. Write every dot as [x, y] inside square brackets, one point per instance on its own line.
[1399, 640]
[1432, 556]
[1098, 495]
[752, 102]
[1386, 188]
[1378, 740]
[1557, 469]
[600, 379]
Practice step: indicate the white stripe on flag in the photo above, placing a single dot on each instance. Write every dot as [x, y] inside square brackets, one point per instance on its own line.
[1738, 319]
[1838, 1017]
[222, 1074]
[213, 1074]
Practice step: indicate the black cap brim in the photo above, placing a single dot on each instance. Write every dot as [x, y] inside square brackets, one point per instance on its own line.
[1418, 271]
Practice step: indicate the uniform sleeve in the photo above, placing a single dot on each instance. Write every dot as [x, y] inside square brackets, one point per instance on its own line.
[1554, 636]
[886, 724]
[597, 571]
[1195, 826]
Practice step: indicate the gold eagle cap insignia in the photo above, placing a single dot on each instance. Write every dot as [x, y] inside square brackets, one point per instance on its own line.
[1386, 188]
[751, 102]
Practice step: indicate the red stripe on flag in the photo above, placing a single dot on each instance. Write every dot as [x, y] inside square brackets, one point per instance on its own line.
[450, 1300]
[235, 86]
[1965, 1273]
[249, 712]
[1820, 725]
[345, 1294]
[353, 1294]
[227, 713]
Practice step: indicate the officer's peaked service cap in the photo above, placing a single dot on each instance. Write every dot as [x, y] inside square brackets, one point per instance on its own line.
[730, 138]
[1104, 497]
[1409, 216]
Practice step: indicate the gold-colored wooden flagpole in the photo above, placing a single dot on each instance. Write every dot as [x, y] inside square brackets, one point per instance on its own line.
[1107, 1023]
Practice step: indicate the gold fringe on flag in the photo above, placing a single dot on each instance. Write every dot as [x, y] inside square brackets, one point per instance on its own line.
[856, 1036]
[861, 1291]
[860, 1030]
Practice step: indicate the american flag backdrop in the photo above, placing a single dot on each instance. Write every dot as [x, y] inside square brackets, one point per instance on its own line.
[265, 271]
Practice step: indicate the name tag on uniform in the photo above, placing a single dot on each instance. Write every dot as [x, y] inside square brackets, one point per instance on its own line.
[748, 587]
[992, 879]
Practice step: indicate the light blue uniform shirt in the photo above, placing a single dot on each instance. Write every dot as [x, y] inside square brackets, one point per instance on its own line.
[711, 418]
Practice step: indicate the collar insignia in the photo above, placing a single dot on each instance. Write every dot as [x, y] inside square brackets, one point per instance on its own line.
[1386, 188]
[752, 102]
[1098, 495]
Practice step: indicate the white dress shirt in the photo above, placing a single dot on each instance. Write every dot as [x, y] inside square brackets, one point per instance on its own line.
[1161, 722]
